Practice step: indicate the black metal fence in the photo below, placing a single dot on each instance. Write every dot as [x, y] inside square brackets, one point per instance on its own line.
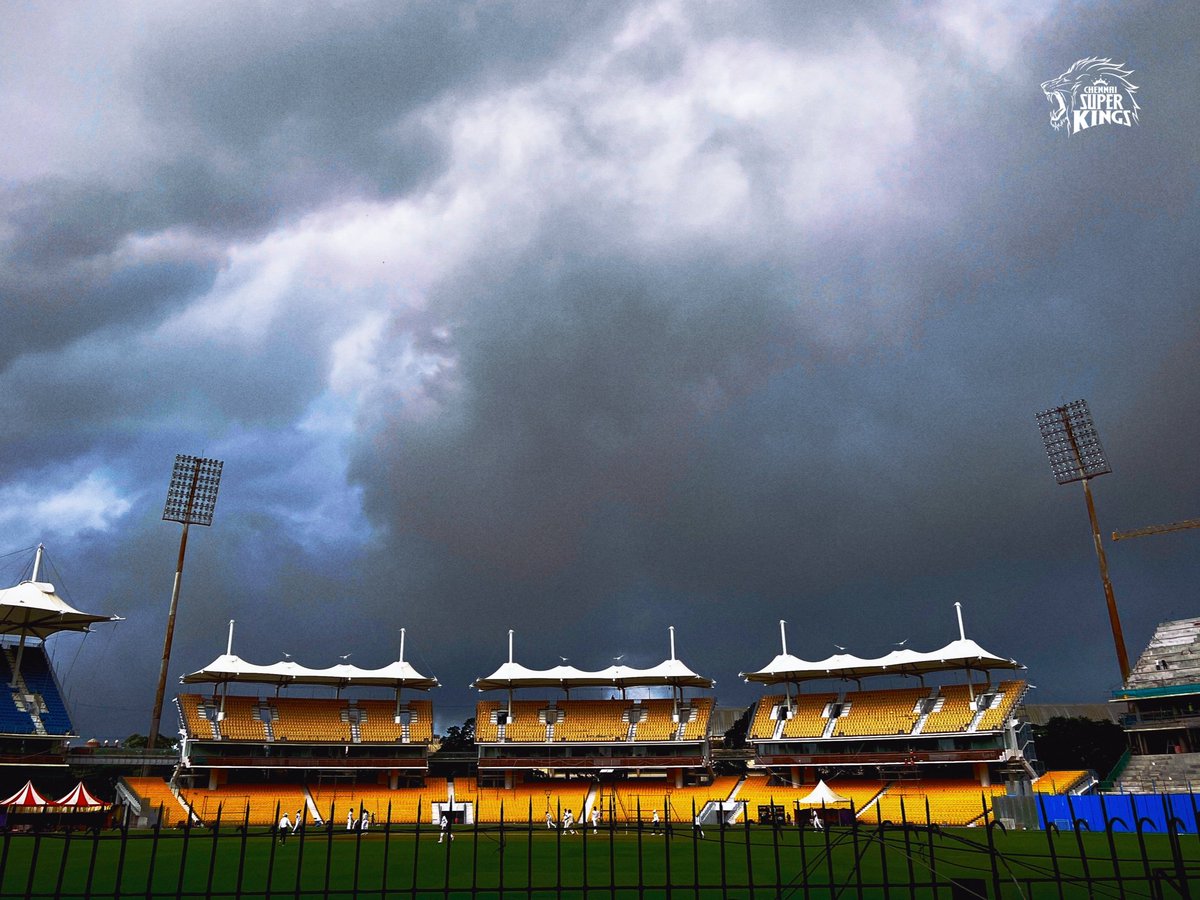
[903, 859]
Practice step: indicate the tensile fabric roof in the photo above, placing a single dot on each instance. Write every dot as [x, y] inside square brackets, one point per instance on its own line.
[670, 672]
[963, 653]
[32, 608]
[231, 668]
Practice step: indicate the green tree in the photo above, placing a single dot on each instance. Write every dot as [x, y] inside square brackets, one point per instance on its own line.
[459, 738]
[1078, 743]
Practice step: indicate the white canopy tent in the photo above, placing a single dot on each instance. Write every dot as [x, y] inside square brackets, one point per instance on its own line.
[822, 794]
[33, 609]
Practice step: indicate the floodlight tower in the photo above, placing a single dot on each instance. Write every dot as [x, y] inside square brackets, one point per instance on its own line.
[191, 499]
[1073, 447]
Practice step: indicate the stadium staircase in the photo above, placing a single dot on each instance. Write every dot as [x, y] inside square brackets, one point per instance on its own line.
[1165, 773]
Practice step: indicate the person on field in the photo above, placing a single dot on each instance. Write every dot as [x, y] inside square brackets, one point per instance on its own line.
[299, 820]
[349, 820]
[285, 826]
[816, 821]
[445, 828]
[697, 827]
[549, 820]
[365, 822]
[655, 823]
[596, 818]
[568, 822]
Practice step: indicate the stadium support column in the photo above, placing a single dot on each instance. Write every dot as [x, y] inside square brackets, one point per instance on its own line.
[1113, 618]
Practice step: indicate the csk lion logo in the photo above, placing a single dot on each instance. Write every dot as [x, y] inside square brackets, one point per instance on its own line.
[1092, 92]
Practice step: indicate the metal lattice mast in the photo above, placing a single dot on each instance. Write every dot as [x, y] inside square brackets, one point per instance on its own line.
[191, 499]
[1075, 454]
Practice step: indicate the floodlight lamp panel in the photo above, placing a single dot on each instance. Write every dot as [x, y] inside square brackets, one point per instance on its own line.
[1072, 443]
[192, 494]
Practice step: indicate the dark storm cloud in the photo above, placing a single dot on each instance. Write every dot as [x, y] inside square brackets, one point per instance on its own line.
[709, 359]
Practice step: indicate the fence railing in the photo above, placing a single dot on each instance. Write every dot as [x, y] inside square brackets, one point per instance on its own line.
[803, 859]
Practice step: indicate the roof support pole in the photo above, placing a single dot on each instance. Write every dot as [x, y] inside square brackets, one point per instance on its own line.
[17, 664]
[962, 634]
[783, 636]
[229, 643]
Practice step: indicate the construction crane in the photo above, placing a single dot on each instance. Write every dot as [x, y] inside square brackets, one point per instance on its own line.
[1156, 529]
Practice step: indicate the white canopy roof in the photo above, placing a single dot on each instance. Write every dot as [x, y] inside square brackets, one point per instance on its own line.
[823, 793]
[669, 672]
[32, 608]
[963, 653]
[230, 668]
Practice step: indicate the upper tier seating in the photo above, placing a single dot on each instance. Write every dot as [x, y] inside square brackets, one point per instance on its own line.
[762, 726]
[197, 715]
[242, 722]
[956, 711]
[377, 721]
[880, 712]
[300, 719]
[658, 723]
[1010, 693]
[39, 681]
[807, 716]
[591, 720]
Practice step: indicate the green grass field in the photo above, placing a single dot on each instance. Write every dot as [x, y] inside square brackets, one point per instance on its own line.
[760, 863]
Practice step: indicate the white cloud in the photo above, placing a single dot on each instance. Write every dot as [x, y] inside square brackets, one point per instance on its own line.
[51, 508]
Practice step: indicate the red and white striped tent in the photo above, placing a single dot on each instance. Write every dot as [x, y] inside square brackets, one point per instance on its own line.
[81, 800]
[27, 799]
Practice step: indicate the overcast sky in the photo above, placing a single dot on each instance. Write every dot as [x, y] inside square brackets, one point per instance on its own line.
[590, 319]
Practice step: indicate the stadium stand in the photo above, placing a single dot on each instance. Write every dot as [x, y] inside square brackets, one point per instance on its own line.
[198, 716]
[591, 720]
[1062, 782]
[951, 802]
[523, 802]
[808, 719]
[954, 711]
[694, 727]
[1008, 695]
[486, 729]
[255, 803]
[154, 792]
[332, 801]
[657, 722]
[879, 712]
[622, 800]
[757, 791]
[527, 724]
[309, 720]
[242, 720]
[762, 725]
[36, 703]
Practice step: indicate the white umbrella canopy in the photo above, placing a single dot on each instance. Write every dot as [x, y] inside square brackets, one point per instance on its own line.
[33, 609]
